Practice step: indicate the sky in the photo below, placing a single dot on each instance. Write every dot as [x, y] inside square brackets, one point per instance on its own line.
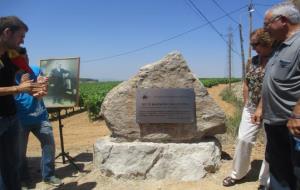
[115, 38]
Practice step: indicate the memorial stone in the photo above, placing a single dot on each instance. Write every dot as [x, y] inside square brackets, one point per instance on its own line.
[172, 72]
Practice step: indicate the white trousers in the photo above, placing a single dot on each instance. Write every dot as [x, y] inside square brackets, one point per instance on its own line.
[246, 139]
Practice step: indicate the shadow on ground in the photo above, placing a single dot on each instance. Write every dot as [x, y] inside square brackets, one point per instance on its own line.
[253, 173]
[225, 156]
[62, 170]
[75, 186]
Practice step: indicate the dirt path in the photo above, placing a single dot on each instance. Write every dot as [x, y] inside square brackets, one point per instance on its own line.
[214, 92]
[79, 137]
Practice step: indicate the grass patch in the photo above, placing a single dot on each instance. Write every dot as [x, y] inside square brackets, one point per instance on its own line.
[210, 82]
[232, 123]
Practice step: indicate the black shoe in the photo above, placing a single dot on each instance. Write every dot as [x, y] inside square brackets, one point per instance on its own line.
[262, 187]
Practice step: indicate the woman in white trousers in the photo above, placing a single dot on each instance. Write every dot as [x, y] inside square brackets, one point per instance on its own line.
[262, 43]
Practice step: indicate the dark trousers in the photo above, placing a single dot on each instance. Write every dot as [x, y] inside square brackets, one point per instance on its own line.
[279, 156]
[297, 173]
[10, 157]
[296, 162]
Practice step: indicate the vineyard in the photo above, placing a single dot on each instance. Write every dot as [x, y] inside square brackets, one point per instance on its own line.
[210, 82]
[92, 94]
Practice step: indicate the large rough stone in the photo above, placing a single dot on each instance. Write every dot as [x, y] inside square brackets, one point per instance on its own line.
[119, 106]
[146, 160]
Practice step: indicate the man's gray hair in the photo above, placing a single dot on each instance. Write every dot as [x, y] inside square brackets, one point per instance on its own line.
[286, 9]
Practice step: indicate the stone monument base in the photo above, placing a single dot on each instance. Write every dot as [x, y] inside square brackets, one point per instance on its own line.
[146, 160]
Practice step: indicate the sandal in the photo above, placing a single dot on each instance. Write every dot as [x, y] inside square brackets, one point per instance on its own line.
[229, 181]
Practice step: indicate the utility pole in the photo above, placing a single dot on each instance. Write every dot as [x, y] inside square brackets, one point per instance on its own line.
[250, 10]
[242, 52]
[229, 55]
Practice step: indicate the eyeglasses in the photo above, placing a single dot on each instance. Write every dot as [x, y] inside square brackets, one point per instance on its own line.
[267, 24]
[255, 44]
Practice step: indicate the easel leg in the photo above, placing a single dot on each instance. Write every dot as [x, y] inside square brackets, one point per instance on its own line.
[64, 154]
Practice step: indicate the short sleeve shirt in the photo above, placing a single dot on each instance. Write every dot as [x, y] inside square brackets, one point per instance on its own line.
[7, 78]
[281, 84]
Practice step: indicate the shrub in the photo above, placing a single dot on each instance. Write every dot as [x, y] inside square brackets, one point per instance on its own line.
[233, 122]
[209, 82]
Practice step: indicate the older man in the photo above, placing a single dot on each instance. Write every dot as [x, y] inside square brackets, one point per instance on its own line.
[12, 33]
[280, 93]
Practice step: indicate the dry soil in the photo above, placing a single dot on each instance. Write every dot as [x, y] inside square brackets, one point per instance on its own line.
[79, 136]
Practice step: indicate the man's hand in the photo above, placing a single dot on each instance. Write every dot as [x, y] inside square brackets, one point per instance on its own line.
[37, 89]
[25, 83]
[26, 86]
[43, 81]
[43, 90]
[32, 87]
[294, 121]
[294, 126]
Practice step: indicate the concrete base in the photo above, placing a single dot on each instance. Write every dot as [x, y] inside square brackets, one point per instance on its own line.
[145, 160]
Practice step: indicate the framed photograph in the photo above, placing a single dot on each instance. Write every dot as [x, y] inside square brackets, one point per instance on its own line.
[63, 80]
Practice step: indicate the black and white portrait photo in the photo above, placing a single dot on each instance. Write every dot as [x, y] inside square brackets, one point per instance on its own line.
[63, 81]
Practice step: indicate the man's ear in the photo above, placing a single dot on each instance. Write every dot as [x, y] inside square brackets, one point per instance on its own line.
[7, 32]
[284, 20]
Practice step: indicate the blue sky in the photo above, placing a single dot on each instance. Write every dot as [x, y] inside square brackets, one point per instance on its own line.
[99, 30]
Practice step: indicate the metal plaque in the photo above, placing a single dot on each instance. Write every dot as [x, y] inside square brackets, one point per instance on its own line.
[161, 105]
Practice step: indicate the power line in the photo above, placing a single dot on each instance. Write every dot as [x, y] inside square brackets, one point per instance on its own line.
[206, 19]
[218, 5]
[195, 11]
[162, 41]
[191, 7]
[223, 10]
[211, 25]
